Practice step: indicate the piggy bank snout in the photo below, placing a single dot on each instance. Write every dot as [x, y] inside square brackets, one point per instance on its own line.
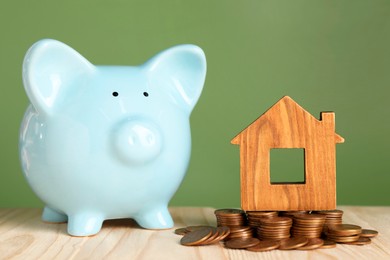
[137, 141]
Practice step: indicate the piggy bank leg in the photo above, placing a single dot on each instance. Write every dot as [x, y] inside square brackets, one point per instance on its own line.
[51, 215]
[155, 218]
[84, 224]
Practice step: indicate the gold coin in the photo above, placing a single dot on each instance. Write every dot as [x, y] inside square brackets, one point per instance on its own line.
[312, 244]
[222, 236]
[275, 235]
[344, 230]
[239, 243]
[306, 228]
[343, 239]
[361, 241]
[212, 238]
[196, 237]
[241, 234]
[293, 243]
[306, 232]
[328, 244]
[223, 231]
[308, 235]
[265, 245]
[368, 233]
[276, 220]
[261, 214]
[240, 228]
[308, 225]
[230, 217]
[275, 238]
[275, 231]
[181, 231]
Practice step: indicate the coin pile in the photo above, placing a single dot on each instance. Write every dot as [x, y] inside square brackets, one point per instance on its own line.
[308, 225]
[332, 216]
[202, 235]
[273, 232]
[364, 237]
[242, 232]
[230, 217]
[183, 231]
[275, 228]
[254, 217]
[343, 233]
[235, 219]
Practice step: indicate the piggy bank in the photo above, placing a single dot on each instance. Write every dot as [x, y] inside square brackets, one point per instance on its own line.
[107, 142]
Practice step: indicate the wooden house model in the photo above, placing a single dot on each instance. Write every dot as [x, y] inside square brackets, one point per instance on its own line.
[287, 125]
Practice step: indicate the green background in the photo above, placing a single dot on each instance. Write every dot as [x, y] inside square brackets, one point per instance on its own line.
[328, 55]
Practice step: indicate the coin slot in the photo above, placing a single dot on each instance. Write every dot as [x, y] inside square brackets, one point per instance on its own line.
[287, 166]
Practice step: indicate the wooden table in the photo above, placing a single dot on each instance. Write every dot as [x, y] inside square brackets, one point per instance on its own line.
[24, 236]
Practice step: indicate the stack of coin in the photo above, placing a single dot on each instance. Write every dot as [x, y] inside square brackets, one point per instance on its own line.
[230, 217]
[254, 217]
[274, 232]
[343, 233]
[369, 233]
[333, 217]
[235, 219]
[276, 228]
[308, 225]
[365, 237]
[242, 232]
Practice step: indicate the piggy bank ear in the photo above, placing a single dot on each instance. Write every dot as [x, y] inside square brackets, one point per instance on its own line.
[182, 71]
[52, 71]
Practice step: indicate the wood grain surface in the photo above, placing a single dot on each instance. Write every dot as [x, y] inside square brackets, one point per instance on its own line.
[24, 236]
[287, 125]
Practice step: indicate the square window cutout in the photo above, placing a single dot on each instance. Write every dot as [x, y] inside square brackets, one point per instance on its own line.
[287, 166]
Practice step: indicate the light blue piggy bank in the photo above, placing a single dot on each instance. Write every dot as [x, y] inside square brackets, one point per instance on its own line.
[107, 142]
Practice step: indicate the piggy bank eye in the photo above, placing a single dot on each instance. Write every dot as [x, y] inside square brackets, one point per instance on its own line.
[115, 94]
[146, 94]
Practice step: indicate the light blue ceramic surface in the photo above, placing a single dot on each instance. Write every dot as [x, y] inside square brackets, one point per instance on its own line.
[106, 142]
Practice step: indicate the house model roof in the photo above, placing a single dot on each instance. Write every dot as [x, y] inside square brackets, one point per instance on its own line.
[286, 112]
